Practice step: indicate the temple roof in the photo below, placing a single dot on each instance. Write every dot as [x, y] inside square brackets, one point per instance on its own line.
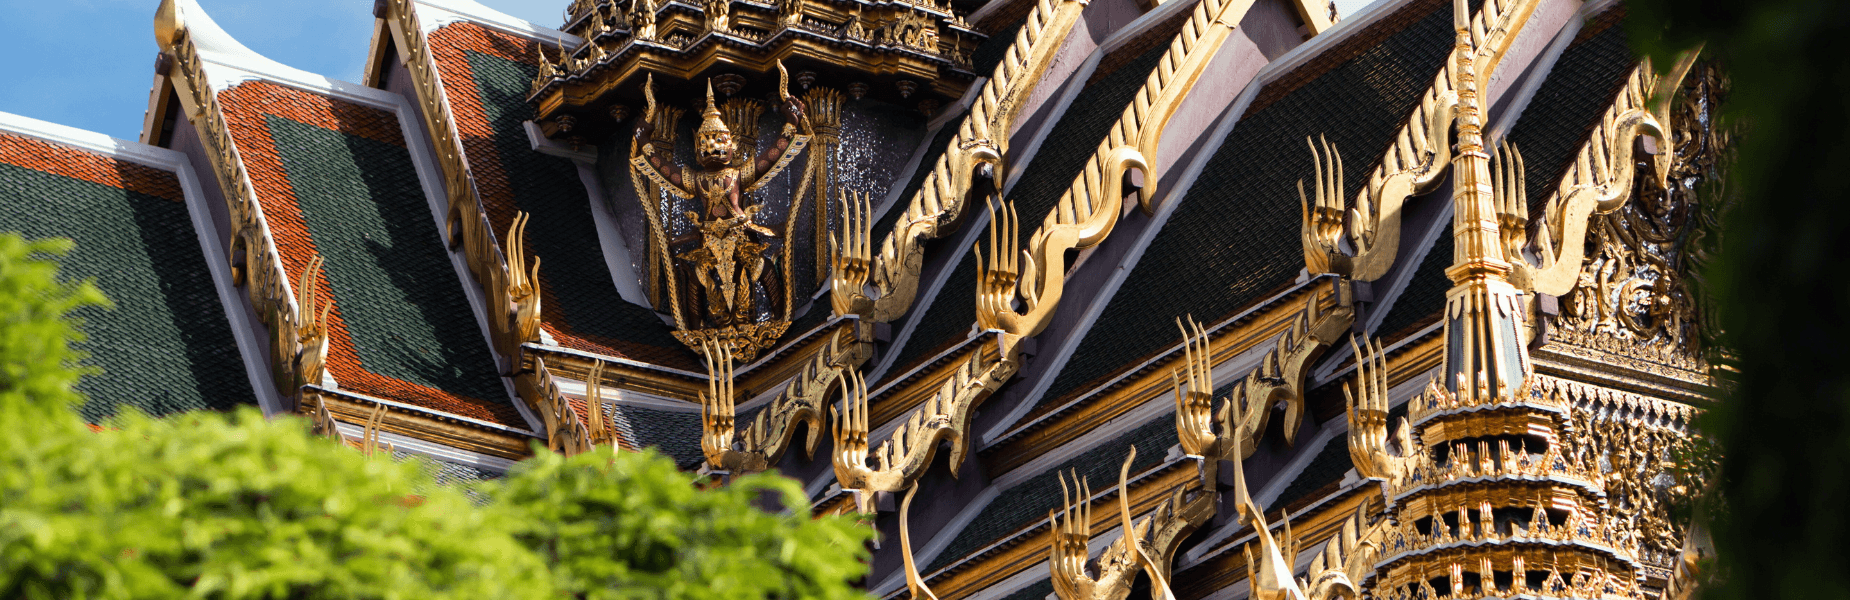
[1234, 239]
[487, 74]
[165, 344]
[335, 179]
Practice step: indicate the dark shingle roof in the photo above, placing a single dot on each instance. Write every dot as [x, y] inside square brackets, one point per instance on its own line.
[1561, 115]
[487, 75]
[1418, 305]
[165, 346]
[1029, 501]
[1235, 239]
[1063, 153]
[1329, 466]
[393, 283]
[675, 434]
[463, 477]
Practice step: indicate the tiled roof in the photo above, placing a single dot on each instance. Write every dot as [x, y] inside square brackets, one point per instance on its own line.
[453, 474]
[1328, 467]
[1558, 119]
[1063, 153]
[1234, 239]
[675, 434]
[1418, 305]
[1039, 590]
[1029, 501]
[487, 75]
[166, 345]
[334, 179]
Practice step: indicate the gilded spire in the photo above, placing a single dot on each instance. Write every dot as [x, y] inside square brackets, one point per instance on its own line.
[712, 122]
[1485, 355]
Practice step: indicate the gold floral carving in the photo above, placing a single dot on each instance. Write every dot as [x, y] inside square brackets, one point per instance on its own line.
[1637, 300]
[1632, 443]
[598, 431]
[915, 42]
[771, 433]
[915, 584]
[1413, 165]
[1270, 574]
[1150, 544]
[731, 261]
[566, 433]
[1278, 378]
[324, 423]
[980, 145]
[825, 106]
[1089, 210]
[311, 359]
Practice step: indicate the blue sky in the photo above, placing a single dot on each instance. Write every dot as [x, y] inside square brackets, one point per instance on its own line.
[89, 63]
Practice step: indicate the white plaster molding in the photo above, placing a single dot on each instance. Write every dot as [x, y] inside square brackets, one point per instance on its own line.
[428, 449]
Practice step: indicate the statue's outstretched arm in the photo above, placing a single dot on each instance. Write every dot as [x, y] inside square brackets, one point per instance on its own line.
[789, 144]
[643, 157]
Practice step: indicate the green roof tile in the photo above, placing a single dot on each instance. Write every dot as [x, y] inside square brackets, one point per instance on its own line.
[166, 346]
[393, 282]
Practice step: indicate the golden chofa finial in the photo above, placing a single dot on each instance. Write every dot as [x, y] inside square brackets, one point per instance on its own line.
[169, 24]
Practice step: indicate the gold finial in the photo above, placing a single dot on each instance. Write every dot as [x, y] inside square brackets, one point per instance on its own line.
[711, 123]
[169, 24]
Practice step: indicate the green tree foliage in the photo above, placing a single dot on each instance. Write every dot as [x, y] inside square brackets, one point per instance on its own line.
[233, 505]
[1784, 424]
[678, 542]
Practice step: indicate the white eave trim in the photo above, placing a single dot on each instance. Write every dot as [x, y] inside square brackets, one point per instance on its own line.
[428, 449]
[434, 14]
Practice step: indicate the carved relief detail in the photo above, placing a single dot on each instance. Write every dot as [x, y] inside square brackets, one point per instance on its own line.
[1637, 294]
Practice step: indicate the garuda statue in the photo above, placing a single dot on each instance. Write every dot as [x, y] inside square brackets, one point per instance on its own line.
[729, 264]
